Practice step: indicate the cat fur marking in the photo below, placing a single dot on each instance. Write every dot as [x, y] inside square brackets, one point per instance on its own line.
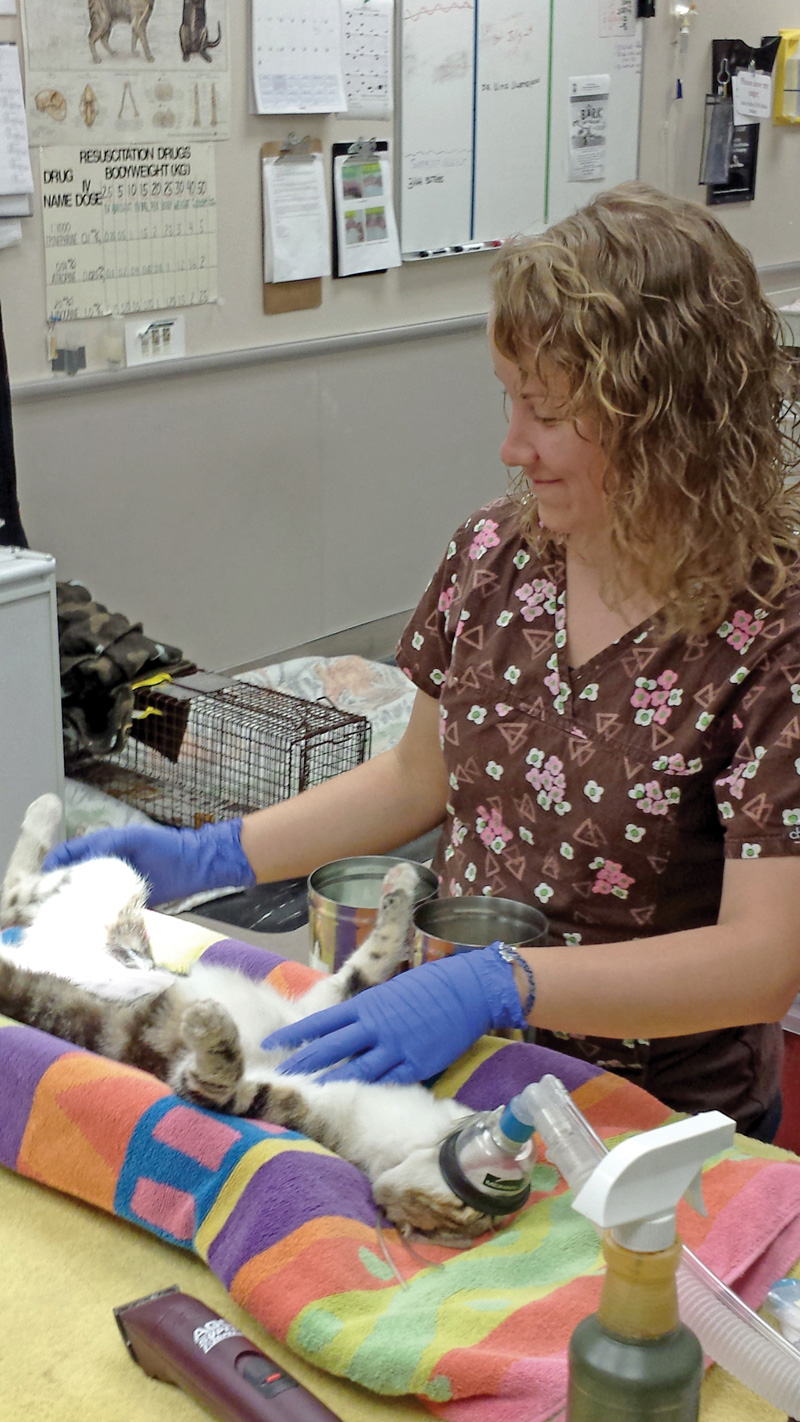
[201, 1033]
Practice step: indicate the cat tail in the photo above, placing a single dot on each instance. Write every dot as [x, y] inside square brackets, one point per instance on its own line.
[40, 830]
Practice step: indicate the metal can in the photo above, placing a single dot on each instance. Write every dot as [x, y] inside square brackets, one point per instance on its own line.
[445, 926]
[343, 899]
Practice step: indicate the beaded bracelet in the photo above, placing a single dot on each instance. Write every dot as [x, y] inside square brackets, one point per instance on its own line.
[511, 955]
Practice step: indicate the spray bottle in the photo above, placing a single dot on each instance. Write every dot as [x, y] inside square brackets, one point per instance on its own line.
[634, 1358]
[730, 1332]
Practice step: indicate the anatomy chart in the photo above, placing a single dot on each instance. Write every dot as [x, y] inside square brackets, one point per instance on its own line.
[129, 229]
[474, 112]
[93, 77]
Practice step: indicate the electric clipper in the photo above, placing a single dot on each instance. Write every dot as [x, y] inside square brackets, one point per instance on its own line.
[176, 1338]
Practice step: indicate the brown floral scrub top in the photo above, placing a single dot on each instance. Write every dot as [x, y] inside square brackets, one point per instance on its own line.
[611, 795]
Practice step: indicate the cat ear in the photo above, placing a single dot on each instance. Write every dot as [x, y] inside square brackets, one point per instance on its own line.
[127, 939]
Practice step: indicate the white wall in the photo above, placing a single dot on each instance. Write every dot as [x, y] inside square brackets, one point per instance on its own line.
[247, 511]
[671, 131]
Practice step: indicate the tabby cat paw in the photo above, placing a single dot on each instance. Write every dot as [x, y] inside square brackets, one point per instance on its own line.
[414, 1196]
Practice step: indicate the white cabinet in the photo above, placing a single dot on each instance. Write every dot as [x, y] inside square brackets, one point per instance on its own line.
[31, 757]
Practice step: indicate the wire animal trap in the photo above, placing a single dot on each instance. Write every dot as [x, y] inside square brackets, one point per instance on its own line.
[205, 748]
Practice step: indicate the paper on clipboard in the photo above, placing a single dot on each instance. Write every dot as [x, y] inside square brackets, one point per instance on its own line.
[366, 228]
[296, 224]
[15, 161]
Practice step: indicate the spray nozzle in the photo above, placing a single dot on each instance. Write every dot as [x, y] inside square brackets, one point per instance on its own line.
[636, 1189]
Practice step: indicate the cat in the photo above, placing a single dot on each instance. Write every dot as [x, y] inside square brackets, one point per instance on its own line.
[76, 961]
[194, 31]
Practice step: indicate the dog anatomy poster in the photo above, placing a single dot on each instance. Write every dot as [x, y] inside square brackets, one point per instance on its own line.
[110, 71]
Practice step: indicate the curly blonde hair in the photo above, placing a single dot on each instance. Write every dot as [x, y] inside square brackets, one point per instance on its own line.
[656, 317]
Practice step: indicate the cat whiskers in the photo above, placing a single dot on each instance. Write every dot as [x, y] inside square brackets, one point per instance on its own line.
[380, 1221]
[407, 1240]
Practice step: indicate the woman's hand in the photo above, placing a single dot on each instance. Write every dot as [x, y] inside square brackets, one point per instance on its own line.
[175, 862]
[411, 1027]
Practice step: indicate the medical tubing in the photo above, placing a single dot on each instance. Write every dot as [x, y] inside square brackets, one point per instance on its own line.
[730, 1333]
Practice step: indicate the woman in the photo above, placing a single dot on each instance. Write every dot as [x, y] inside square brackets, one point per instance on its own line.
[607, 718]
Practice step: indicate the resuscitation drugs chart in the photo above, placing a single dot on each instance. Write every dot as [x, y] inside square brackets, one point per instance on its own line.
[91, 74]
[128, 228]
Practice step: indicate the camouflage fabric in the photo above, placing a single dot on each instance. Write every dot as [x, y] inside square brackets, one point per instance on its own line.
[101, 655]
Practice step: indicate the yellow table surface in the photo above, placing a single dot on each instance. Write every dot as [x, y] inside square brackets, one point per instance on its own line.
[65, 1265]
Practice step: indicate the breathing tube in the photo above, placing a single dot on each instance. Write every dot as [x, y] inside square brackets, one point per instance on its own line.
[487, 1163]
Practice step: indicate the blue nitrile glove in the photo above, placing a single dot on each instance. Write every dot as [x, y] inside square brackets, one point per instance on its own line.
[176, 862]
[411, 1027]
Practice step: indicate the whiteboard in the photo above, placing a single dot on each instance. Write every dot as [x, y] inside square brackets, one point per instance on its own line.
[580, 48]
[484, 113]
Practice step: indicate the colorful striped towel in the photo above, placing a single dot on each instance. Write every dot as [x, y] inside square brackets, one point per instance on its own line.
[478, 1334]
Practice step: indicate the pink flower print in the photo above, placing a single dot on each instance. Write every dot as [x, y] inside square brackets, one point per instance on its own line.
[745, 629]
[741, 630]
[491, 829]
[553, 683]
[537, 598]
[550, 781]
[744, 771]
[652, 800]
[485, 537]
[676, 765]
[463, 618]
[654, 700]
[610, 878]
[446, 599]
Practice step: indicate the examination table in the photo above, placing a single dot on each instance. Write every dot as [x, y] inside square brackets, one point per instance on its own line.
[66, 1263]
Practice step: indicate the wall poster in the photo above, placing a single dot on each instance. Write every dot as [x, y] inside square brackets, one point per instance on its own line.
[92, 77]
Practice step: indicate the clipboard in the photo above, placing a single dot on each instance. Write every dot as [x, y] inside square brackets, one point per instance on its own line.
[360, 152]
[283, 296]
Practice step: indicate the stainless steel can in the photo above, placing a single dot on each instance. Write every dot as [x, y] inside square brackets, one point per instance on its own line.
[343, 899]
[445, 926]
